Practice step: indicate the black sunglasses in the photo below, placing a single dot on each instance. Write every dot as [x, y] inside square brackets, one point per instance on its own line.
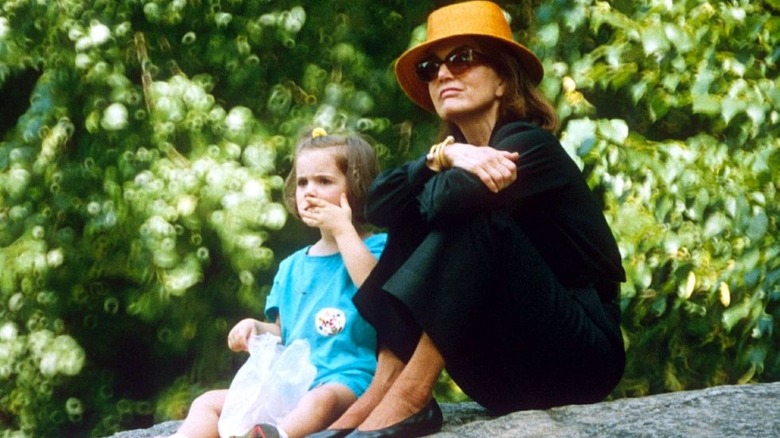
[457, 61]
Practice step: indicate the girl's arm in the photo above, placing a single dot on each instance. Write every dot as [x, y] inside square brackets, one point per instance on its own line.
[238, 337]
[335, 221]
[358, 259]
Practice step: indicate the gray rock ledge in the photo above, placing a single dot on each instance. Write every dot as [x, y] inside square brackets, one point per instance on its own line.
[749, 411]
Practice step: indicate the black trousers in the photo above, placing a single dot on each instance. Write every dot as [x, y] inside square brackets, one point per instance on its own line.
[512, 336]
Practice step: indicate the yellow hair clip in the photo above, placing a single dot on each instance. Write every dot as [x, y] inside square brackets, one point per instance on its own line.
[318, 132]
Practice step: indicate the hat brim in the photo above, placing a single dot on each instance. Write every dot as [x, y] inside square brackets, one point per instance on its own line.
[417, 90]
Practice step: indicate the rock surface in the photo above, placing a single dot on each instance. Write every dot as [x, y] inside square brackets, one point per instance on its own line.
[724, 411]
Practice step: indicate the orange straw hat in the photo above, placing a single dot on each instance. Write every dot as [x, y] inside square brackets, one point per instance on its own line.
[482, 19]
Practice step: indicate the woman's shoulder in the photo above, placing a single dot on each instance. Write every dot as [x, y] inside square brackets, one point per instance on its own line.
[519, 128]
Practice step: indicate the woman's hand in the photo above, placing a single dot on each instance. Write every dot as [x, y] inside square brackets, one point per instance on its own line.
[238, 337]
[495, 168]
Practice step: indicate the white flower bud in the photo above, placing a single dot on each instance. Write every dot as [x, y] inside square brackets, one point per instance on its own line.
[54, 258]
[38, 232]
[274, 216]
[232, 150]
[8, 332]
[114, 117]
[70, 355]
[269, 19]
[3, 27]
[93, 208]
[260, 157]
[247, 278]
[83, 61]
[123, 28]
[276, 182]
[48, 364]
[6, 354]
[222, 19]
[254, 190]
[73, 406]
[83, 43]
[39, 342]
[294, 19]
[160, 227]
[238, 118]
[186, 205]
[165, 259]
[99, 33]
[249, 241]
[231, 200]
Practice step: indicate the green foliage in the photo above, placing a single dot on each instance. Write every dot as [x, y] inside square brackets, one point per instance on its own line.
[673, 108]
[144, 142]
[139, 187]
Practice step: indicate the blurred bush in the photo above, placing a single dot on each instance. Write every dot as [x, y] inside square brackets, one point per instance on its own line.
[672, 109]
[144, 144]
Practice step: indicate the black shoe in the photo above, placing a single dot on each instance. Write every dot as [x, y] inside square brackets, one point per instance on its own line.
[331, 433]
[263, 430]
[426, 422]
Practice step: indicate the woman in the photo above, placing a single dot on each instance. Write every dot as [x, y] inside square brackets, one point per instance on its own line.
[499, 263]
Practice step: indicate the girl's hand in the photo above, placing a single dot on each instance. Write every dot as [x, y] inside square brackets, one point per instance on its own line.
[326, 216]
[495, 168]
[238, 337]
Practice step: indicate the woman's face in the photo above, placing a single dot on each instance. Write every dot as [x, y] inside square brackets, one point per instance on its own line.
[318, 176]
[473, 94]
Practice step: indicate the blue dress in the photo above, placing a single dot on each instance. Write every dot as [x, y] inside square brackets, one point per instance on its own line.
[312, 295]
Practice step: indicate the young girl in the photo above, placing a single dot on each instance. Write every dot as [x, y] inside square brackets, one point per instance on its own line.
[311, 297]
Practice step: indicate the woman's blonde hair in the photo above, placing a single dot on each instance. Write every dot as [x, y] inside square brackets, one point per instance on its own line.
[355, 158]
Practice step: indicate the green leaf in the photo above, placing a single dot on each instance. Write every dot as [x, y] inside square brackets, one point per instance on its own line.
[654, 41]
[734, 315]
[580, 135]
[706, 104]
[615, 130]
[759, 224]
[731, 107]
[715, 225]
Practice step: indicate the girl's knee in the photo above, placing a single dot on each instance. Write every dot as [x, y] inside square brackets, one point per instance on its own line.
[332, 396]
[209, 401]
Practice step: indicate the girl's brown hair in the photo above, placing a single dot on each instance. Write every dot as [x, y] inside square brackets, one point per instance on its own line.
[355, 158]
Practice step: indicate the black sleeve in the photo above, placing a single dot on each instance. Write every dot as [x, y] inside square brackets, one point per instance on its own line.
[392, 197]
[456, 194]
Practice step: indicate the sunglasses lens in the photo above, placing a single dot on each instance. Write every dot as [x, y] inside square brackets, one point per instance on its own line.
[458, 62]
[427, 69]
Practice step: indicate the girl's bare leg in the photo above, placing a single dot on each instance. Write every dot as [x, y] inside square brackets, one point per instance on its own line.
[318, 408]
[412, 389]
[203, 417]
[387, 370]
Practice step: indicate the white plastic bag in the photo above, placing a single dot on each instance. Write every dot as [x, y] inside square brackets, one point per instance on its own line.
[268, 386]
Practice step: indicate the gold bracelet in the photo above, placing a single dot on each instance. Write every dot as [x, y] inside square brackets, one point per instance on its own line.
[435, 158]
[431, 158]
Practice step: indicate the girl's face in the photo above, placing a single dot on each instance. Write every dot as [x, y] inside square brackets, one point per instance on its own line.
[473, 94]
[318, 176]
